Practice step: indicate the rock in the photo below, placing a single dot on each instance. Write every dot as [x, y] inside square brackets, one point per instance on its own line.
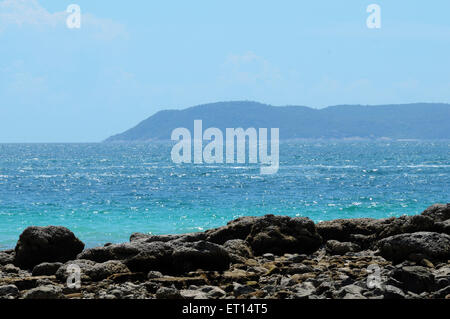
[85, 265]
[397, 248]
[46, 244]
[9, 290]
[238, 249]
[189, 237]
[335, 247]
[304, 290]
[192, 294]
[168, 293]
[392, 292]
[350, 292]
[281, 234]
[46, 269]
[6, 258]
[200, 255]
[416, 279]
[269, 256]
[11, 269]
[44, 292]
[138, 256]
[213, 292]
[343, 229]
[152, 274]
[104, 270]
[240, 290]
[235, 229]
[438, 212]
[153, 256]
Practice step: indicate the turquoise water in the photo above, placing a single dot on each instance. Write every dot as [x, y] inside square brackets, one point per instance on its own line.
[105, 192]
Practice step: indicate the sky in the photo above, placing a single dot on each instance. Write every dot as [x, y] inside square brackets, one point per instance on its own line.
[130, 59]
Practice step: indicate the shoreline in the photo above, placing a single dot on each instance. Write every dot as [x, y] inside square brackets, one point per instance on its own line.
[274, 257]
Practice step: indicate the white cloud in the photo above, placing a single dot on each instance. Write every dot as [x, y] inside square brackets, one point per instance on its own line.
[249, 68]
[23, 13]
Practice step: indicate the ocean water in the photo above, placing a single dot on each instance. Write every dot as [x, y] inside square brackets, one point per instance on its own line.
[105, 192]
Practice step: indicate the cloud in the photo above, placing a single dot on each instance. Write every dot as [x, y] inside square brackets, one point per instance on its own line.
[29, 13]
[249, 68]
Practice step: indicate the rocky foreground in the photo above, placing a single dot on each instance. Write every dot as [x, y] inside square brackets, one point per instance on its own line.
[251, 257]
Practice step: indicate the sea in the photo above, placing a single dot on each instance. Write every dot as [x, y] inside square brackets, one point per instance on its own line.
[105, 192]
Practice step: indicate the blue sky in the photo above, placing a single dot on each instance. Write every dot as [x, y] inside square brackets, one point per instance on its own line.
[131, 59]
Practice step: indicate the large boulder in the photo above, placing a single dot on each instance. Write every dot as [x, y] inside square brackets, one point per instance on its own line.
[282, 234]
[200, 255]
[236, 229]
[415, 278]
[104, 270]
[151, 256]
[434, 246]
[46, 244]
[438, 212]
[345, 229]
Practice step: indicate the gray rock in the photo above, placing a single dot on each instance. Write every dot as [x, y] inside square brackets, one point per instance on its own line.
[416, 279]
[46, 269]
[46, 244]
[11, 269]
[9, 290]
[213, 291]
[392, 292]
[193, 294]
[44, 292]
[168, 293]
[335, 247]
[399, 247]
[350, 292]
[304, 290]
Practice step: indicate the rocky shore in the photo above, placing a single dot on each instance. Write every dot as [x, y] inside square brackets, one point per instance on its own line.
[250, 257]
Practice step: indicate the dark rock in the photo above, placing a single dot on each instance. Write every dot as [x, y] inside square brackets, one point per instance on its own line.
[235, 229]
[416, 279]
[104, 270]
[6, 258]
[343, 229]
[431, 245]
[281, 234]
[151, 256]
[239, 247]
[200, 255]
[168, 293]
[46, 244]
[46, 269]
[44, 292]
[9, 290]
[335, 247]
[438, 212]
[85, 265]
[154, 274]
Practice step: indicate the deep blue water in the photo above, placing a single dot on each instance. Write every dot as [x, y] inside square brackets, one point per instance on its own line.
[105, 192]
